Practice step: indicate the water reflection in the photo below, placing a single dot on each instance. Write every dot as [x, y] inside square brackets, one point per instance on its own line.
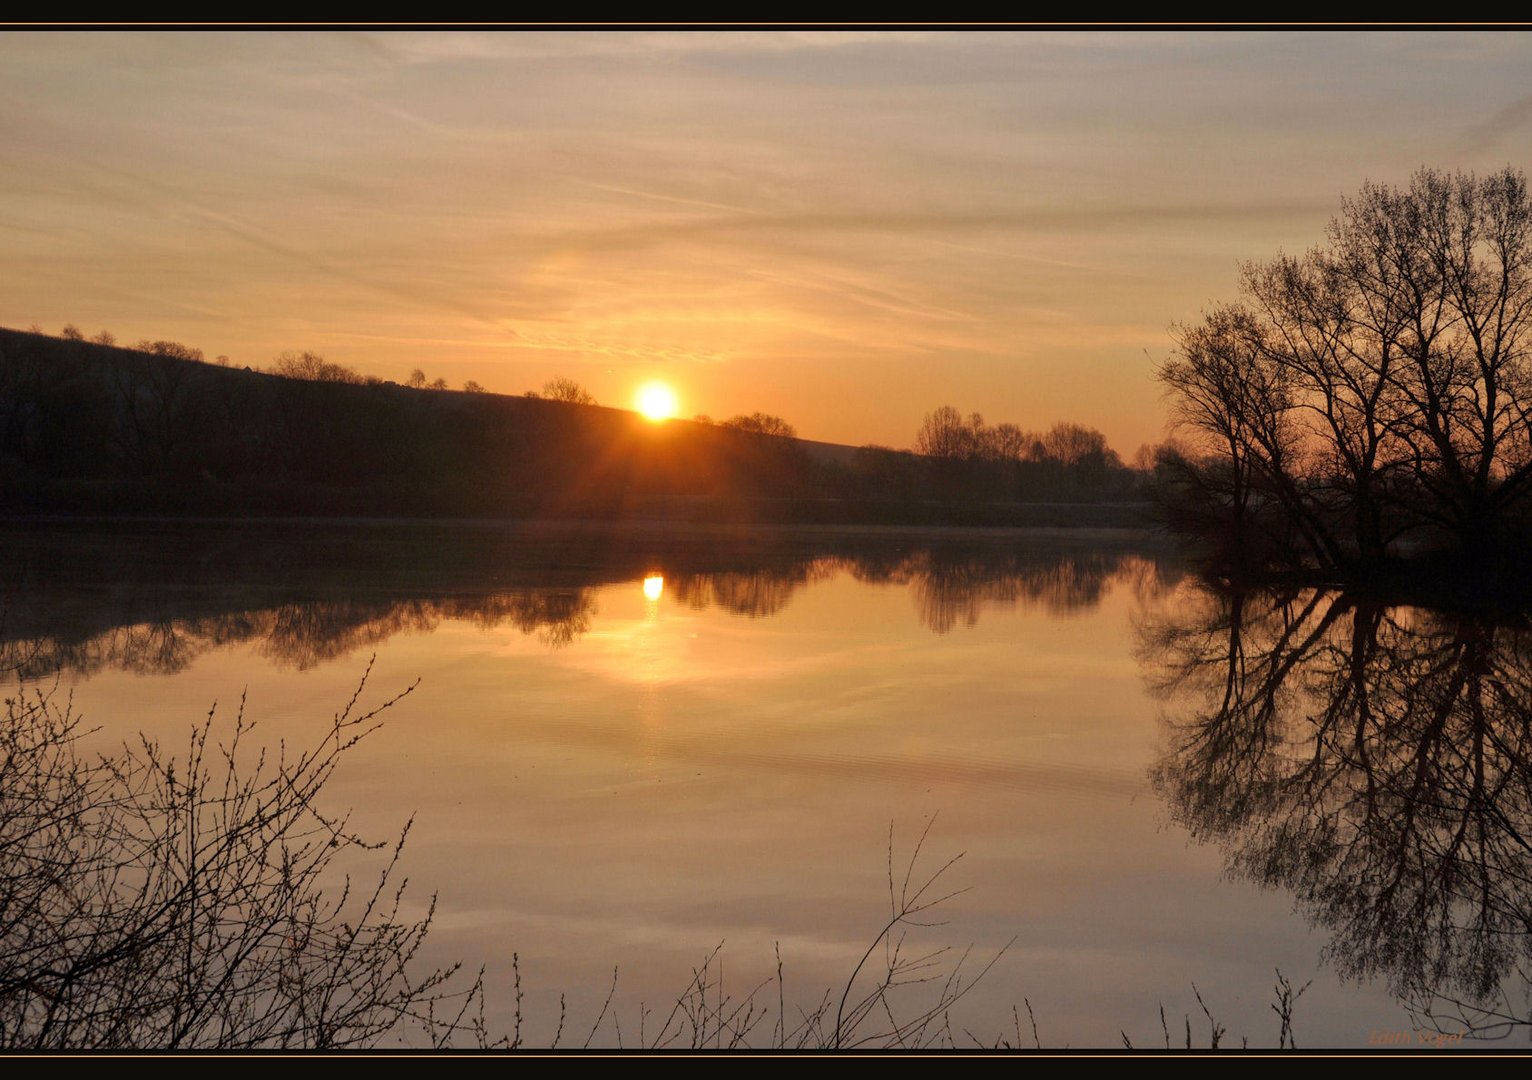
[152, 601]
[757, 593]
[299, 635]
[1375, 761]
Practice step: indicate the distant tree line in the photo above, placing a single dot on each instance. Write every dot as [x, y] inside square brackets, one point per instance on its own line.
[312, 367]
[958, 457]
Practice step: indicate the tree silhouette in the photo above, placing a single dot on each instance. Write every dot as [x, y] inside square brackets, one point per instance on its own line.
[314, 368]
[562, 389]
[761, 423]
[1376, 388]
[173, 349]
[156, 902]
[1075, 444]
[945, 434]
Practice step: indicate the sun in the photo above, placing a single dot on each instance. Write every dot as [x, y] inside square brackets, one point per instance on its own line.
[656, 401]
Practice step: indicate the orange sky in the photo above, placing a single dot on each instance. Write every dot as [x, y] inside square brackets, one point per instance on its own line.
[845, 229]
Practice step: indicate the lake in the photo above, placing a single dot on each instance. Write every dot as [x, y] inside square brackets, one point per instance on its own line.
[629, 747]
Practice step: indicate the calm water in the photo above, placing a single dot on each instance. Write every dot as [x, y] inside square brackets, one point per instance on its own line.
[629, 747]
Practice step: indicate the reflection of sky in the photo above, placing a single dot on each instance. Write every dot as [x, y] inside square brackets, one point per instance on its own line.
[681, 776]
[770, 221]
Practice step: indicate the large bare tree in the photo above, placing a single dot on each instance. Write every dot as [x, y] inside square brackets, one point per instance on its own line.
[1376, 387]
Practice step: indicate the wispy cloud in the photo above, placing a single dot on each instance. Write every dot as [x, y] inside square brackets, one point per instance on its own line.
[1504, 122]
[440, 47]
[1013, 216]
[1044, 218]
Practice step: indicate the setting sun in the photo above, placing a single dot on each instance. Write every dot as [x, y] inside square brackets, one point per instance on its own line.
[656, 401]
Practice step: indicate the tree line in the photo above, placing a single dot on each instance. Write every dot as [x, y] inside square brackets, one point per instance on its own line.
[312, 367]
[1069, 462]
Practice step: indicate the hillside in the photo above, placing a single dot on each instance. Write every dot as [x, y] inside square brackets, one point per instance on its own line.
[92, 429]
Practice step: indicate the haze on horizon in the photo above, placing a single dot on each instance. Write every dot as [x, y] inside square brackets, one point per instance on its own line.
[844, 229]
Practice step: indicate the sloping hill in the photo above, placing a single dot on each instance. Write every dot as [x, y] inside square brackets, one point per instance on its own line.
[95, 429]
[86, 426]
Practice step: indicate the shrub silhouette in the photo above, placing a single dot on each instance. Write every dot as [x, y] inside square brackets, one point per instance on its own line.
[156, 901]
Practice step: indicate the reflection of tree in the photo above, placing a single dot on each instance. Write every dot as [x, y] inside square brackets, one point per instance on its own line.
[1377, 763]
[302, 611]
[950, 591]
[950, 588]
[297, 635]
[306, 635]
[757, 593]
[953, 588]
[558, 616]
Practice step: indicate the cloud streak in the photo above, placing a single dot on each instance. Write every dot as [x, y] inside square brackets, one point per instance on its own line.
[1501, 125]
[1051, 219]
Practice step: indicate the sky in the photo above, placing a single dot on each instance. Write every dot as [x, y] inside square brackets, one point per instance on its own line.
[846, 229]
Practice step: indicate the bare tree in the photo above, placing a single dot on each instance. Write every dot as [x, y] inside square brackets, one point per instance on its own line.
[762, 424]
[562, 389]
[1381, 384]
[1236, 406]
[1074, 444]
[944, 434]
[313, 368]
[157, 902]
[1007, 442]
[173, 349]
